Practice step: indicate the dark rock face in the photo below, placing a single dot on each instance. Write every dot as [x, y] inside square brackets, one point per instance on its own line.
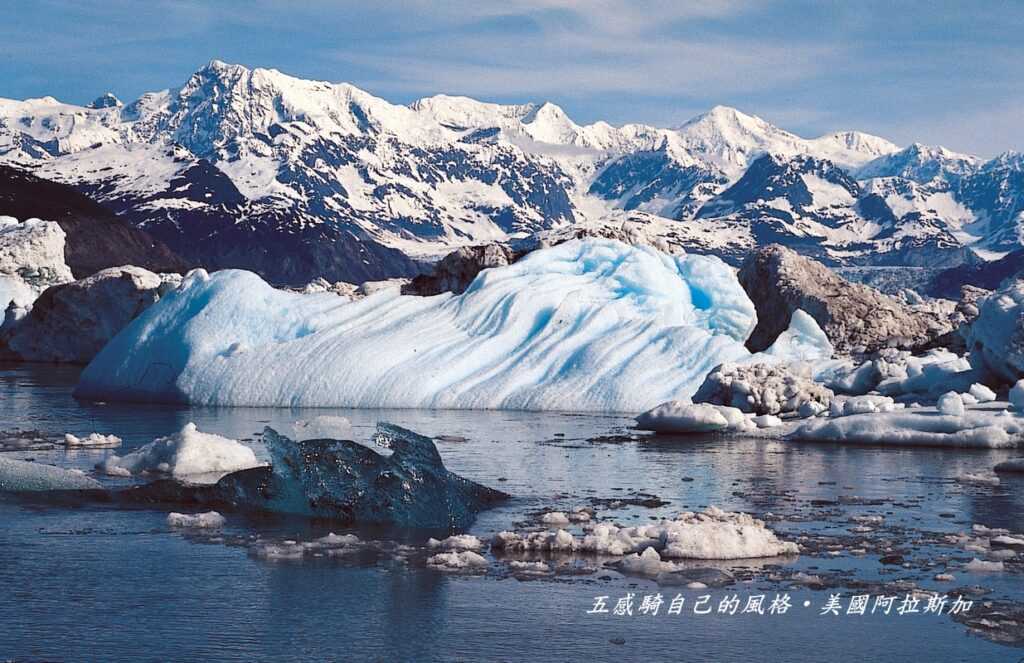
[987, 275]
[71, 323]
[457, 270]
[855, 318]
[96, 238]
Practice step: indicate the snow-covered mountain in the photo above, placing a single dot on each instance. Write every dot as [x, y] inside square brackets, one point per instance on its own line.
[295, 179]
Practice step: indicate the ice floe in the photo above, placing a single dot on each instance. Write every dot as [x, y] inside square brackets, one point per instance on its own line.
[913, 427]
[188, 454]
[92, 440]
[25, 476]
[711, 535]
[591, 325]
[347, 481]
[684, 417]
[208, 520]
[996, 337]
[457, 561]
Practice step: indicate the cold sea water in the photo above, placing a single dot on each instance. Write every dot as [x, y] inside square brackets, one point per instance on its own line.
[97, 582]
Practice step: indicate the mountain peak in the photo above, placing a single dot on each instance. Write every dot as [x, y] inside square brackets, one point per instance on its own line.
[107, 100]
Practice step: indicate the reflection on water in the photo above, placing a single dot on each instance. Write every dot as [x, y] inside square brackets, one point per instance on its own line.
[103, 584]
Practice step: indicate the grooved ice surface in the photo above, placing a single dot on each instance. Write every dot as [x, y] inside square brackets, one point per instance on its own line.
[592, 325]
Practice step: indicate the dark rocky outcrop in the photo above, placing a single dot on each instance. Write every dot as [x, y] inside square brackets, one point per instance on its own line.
[855, 318]
[71, 322]
[456, 271]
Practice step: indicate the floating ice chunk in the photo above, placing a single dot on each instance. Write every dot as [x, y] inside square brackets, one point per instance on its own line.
[457, 561]
[94, 440]
[714, 534]
[347, 481]
[647, 563]
[208, 520]
[982, 479]
[683, 417]
[1017, 396]
[1008, 541]
[188, 454]
[529, 567]
[767, 421]
[556, 518]
[811, 409]
[459, 542]
[871, 403]
[996, 337]
[803, 340]
[323, 427]
[20, 475]
[591, 325]
[982, 393]
[980, 566]
[553, 541]
[976, 428]
[951, 404]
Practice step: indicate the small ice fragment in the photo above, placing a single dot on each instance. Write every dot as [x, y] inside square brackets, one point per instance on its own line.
[459, 542]
[1017, 396]
[555, 518]
[767, 421]
[93, 440]
[982, 393]
[188, 454]
[20, 475]
[951, 404]
[979, 566]
[981, 479]
[208, 520]
[457, 561]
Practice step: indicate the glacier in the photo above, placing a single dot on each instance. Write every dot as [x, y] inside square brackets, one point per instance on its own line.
[588, 325]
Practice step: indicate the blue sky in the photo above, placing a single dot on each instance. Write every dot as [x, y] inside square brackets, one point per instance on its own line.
[937, 72]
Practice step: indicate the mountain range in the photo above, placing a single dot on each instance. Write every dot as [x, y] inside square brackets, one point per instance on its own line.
[298, 179]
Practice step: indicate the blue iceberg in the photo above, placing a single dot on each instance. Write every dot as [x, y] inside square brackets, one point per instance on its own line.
[588, 325]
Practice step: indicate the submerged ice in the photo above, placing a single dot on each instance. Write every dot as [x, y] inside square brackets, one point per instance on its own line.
[590, 325]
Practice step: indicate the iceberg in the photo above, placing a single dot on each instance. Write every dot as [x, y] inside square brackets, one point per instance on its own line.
[588, 325]
[188, 455]
[23, 476]
[340, 480]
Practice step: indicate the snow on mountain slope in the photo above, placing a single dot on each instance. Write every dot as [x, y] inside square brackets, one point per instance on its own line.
[298, 179]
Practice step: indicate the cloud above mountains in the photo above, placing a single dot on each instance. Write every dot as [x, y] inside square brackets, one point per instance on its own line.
[939, 72]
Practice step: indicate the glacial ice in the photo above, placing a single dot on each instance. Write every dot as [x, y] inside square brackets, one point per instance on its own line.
[713, 534]
[92, 441]
[349, 482]
[684, 417]
[208, 520]
[591, 325]
[911, 427]
[996, 337]
[187, 455]
[31, 260]
[25, 476]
